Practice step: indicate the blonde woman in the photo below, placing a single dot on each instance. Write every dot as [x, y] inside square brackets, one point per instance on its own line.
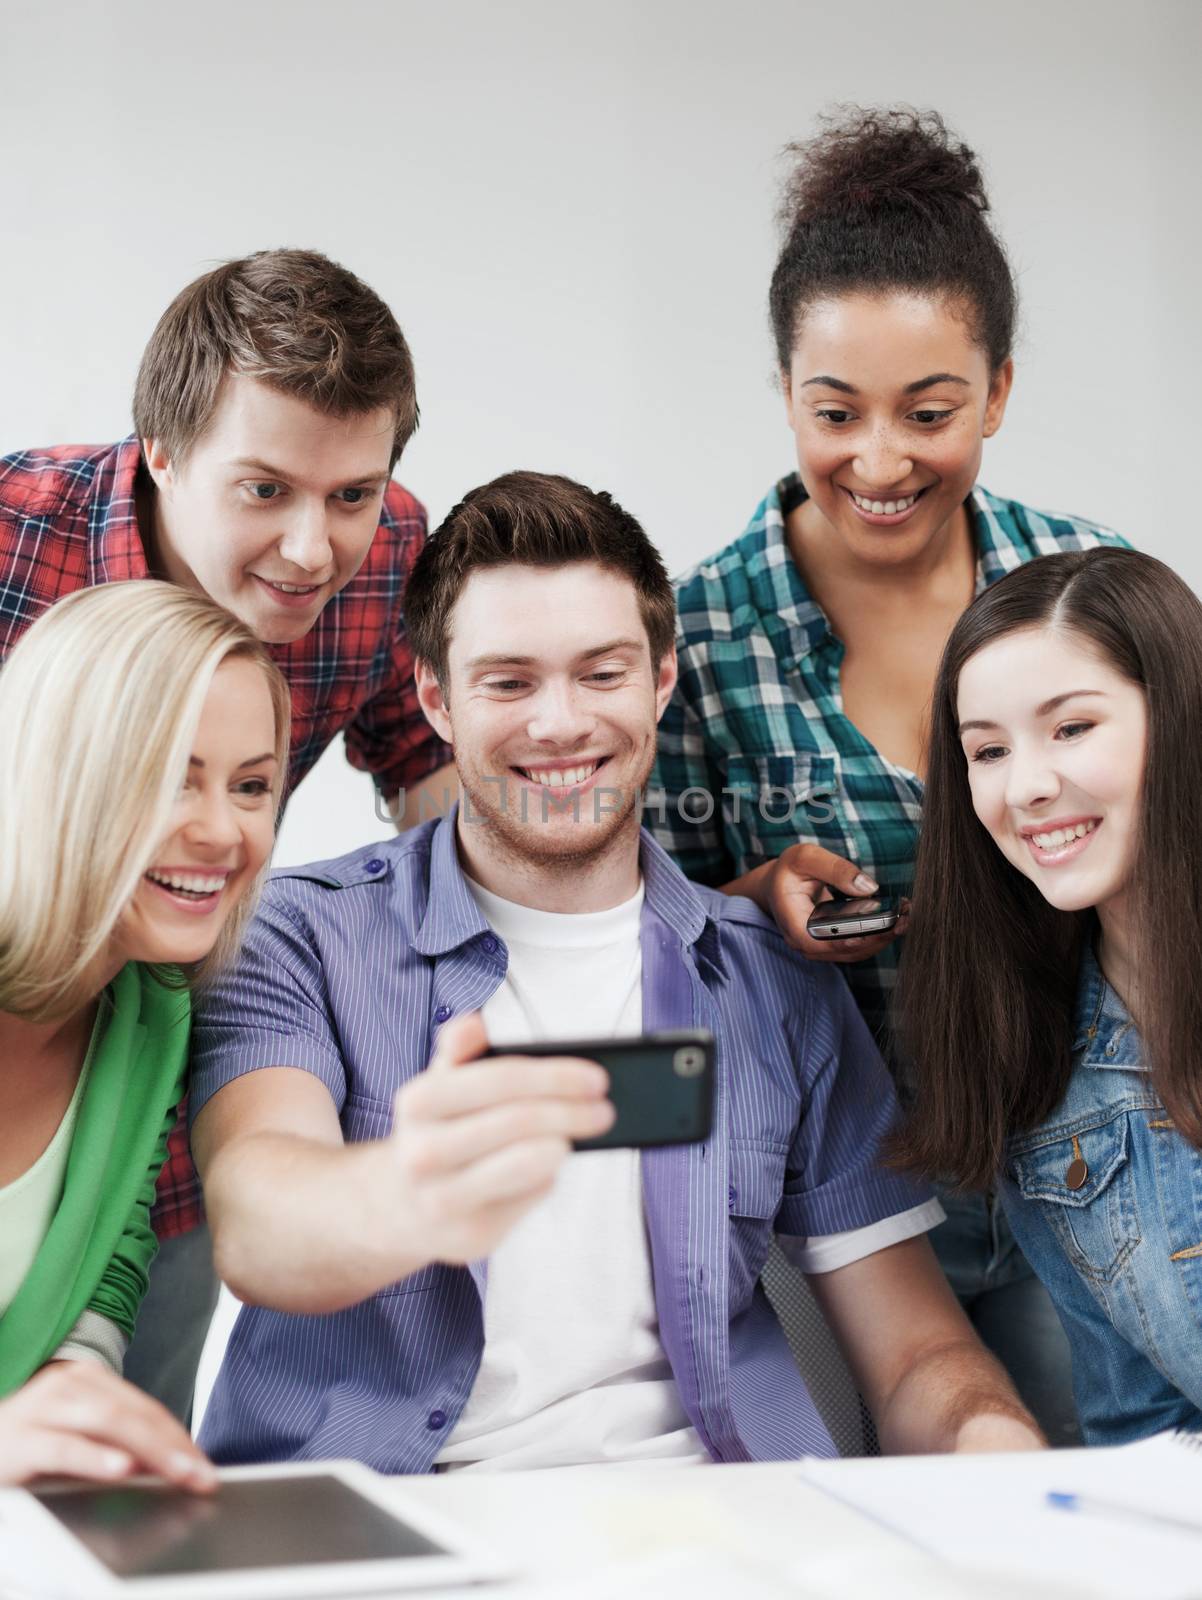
[143, 745]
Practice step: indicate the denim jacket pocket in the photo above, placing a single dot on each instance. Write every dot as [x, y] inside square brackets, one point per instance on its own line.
[754, 1192]
[1081, 1178]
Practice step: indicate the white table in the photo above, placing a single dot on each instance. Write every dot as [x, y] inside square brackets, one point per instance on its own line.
[694, 1533]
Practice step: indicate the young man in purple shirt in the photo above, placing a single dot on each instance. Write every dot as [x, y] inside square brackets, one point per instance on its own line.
[434, 1278]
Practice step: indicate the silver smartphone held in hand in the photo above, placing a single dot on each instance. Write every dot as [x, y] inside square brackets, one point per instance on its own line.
[848, 919]
[661, 1085]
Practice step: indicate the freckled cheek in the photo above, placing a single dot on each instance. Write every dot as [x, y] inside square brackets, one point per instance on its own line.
[818, 458]
[953, 455]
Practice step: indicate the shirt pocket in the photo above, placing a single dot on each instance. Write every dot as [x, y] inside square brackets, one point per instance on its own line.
[419, 1282]
[755, 1189]
[770, 802]
[365, 1117]
[1080, 1176]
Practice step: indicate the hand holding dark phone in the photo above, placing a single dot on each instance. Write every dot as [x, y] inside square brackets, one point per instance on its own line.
[848, 919]
[661, 1085]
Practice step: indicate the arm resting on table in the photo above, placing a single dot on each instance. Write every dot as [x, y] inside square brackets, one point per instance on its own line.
[928, 1380]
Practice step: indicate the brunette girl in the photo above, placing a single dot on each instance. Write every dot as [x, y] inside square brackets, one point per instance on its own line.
[1050, 990]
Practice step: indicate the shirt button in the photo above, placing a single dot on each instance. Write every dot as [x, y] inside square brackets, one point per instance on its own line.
[489, 944]
[442, 1013]
[374, 865]
[436, 1419]
[732, 1194]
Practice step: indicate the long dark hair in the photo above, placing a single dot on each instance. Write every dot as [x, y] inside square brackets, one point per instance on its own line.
[887, 198]
[986, 990]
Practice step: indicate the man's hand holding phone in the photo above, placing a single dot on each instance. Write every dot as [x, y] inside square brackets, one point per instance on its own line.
[477, 1142]
[801, 879]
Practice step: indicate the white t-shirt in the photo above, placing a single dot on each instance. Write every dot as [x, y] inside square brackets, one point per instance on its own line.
[573, 1371]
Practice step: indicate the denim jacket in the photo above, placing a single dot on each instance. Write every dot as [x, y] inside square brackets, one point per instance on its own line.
[1105, 1199]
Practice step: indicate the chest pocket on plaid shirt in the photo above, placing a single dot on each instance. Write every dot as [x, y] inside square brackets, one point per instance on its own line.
[776, 800]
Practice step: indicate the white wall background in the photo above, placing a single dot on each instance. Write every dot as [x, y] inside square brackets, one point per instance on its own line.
[569, 208]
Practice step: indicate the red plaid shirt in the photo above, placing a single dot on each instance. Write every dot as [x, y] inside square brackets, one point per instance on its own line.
[68, 520]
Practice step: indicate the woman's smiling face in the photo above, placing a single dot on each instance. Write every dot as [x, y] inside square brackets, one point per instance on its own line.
[890, 399]
[1055, 737]
[222, 829]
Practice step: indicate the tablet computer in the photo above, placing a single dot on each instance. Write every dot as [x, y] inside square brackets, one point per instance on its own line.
[328, 1528]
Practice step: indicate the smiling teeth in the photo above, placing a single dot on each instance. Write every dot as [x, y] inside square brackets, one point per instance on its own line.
[561, 777]
[193, 885]
[1062, 836]
[884, 508]
[293, 588]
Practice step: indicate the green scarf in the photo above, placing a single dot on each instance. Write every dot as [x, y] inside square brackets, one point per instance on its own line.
[98, 1249]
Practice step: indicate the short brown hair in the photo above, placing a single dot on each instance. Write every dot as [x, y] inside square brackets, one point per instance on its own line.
[541, 521]
[292, 318]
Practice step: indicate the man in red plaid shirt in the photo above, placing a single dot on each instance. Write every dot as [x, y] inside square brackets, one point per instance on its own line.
[271, 406]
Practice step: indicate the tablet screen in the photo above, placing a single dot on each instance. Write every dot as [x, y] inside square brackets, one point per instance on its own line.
[266, 1522]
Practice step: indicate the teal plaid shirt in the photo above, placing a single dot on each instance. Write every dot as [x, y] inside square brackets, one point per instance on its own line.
[755, 752]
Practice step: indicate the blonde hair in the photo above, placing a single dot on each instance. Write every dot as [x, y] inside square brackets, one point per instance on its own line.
[99, 705]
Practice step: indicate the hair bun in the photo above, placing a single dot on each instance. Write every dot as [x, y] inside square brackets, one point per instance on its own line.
[870, 158]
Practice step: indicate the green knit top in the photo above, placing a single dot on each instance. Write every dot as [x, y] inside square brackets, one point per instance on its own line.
[99, 1246]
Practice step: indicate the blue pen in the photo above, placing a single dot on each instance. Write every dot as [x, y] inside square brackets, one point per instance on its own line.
[1060, 1501]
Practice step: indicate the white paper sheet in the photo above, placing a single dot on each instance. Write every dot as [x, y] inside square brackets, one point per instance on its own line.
[991, 1513]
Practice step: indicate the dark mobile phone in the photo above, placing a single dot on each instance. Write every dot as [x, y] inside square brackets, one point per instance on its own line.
[844, 919]
[661, 1085]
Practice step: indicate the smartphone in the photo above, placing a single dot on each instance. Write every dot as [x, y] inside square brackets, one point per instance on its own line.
[661, 1085]
[844, 919]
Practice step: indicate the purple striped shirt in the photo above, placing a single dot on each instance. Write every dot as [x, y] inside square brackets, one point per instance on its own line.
[348, 971]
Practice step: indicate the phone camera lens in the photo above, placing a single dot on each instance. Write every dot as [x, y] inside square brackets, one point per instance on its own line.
[689, 1062]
